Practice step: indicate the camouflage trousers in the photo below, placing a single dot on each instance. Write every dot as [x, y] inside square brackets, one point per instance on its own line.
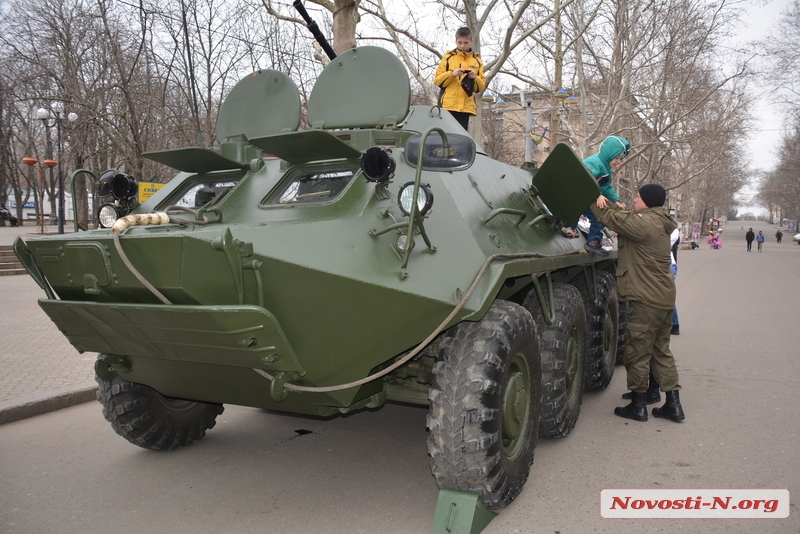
[647, 338]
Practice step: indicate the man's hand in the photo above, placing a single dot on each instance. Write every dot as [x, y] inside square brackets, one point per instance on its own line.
[459, 72]
[621, 205]
[602, 202]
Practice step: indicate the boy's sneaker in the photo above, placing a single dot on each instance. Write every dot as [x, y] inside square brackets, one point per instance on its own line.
[595, 247]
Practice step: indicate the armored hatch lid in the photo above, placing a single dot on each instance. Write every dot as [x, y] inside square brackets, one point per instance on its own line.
[565, 185]
[193, 159]
[305, 146]
[364, 87]
[263, 103]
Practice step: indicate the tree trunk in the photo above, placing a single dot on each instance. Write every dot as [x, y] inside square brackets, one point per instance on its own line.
[345, 19]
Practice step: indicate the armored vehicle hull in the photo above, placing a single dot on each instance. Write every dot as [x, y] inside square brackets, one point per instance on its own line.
[379, 255]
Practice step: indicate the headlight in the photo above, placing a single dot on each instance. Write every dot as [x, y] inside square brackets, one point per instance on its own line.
[104, 183]
[459, 155]
[124, 187]
[377, 164]
[120, 186]
[424, 198]
[107, 215]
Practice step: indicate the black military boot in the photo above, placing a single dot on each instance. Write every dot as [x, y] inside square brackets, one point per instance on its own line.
[636, 410]
[652, 395]
[672, 409]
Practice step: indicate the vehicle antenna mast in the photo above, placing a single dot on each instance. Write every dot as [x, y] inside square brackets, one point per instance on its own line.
[314, 29]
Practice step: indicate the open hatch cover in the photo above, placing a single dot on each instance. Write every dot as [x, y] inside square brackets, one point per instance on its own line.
[193, 159]
[306, 146]
[565, 185]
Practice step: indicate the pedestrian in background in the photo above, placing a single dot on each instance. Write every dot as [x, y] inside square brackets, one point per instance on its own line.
[778, 235]
[675, 239]
[760, 240]
[644, 280]
[749, 237]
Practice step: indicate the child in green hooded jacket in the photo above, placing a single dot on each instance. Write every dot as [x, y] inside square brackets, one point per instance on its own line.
[602, 165]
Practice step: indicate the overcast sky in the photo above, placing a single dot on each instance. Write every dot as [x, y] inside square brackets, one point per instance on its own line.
[759, 19]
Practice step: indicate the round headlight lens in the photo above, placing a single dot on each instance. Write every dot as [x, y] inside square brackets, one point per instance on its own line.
[424, 198]
[107, 215]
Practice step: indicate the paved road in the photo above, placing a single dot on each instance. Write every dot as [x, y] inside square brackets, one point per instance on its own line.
[39, 369]
[67, 471]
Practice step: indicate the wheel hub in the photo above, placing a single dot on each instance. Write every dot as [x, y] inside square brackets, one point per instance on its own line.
[516, 406]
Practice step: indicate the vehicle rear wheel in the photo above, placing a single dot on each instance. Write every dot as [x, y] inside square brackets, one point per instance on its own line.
[562, 346]
[150, 420]
[602, 320]
[484, 405]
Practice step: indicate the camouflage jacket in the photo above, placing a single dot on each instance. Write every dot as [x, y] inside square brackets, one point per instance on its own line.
[643, 273]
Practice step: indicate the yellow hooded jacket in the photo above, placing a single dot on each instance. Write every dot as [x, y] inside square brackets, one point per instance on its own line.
[454, 97]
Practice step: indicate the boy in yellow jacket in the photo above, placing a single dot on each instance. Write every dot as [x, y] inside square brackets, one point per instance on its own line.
[460, 77]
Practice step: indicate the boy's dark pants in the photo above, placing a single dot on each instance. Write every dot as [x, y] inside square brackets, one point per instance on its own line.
[462, 118]
[648, 336]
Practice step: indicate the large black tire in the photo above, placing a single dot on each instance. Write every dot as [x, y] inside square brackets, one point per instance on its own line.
[148, 419]
[562, 346]
[623, 327]
[602, 322]
[484, 405]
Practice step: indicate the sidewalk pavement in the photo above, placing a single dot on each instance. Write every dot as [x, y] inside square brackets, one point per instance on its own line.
[39, 370]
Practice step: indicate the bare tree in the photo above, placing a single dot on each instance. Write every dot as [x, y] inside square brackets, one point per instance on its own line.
[783, 52]
[780, 188]
[345, 18]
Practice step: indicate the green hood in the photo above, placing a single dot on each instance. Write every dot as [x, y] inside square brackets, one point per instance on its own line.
[611, 147]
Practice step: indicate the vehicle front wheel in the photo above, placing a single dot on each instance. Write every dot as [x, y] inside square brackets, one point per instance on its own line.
[484, 405]
[150, 420]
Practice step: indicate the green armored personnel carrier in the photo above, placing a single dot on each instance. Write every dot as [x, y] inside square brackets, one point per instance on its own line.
[377, 256]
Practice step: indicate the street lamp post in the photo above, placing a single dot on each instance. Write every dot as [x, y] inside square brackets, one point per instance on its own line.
[57, 108]
[49, 163]
[498, 105]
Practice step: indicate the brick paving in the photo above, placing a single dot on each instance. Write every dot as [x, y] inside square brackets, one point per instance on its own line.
[36, 360]
[34, 355]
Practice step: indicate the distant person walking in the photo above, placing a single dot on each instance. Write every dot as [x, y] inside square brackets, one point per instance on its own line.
[760, 239]
[778, 235]
[749, 237]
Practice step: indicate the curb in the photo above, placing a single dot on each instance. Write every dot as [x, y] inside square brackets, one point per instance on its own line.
[49, 401]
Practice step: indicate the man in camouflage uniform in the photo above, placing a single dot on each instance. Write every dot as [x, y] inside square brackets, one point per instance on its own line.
[645, 281]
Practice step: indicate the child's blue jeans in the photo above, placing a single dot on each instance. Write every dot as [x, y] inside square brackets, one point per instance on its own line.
[595, 226]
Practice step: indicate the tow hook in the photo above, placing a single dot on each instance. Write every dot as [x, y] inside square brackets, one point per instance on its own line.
[108, 366]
